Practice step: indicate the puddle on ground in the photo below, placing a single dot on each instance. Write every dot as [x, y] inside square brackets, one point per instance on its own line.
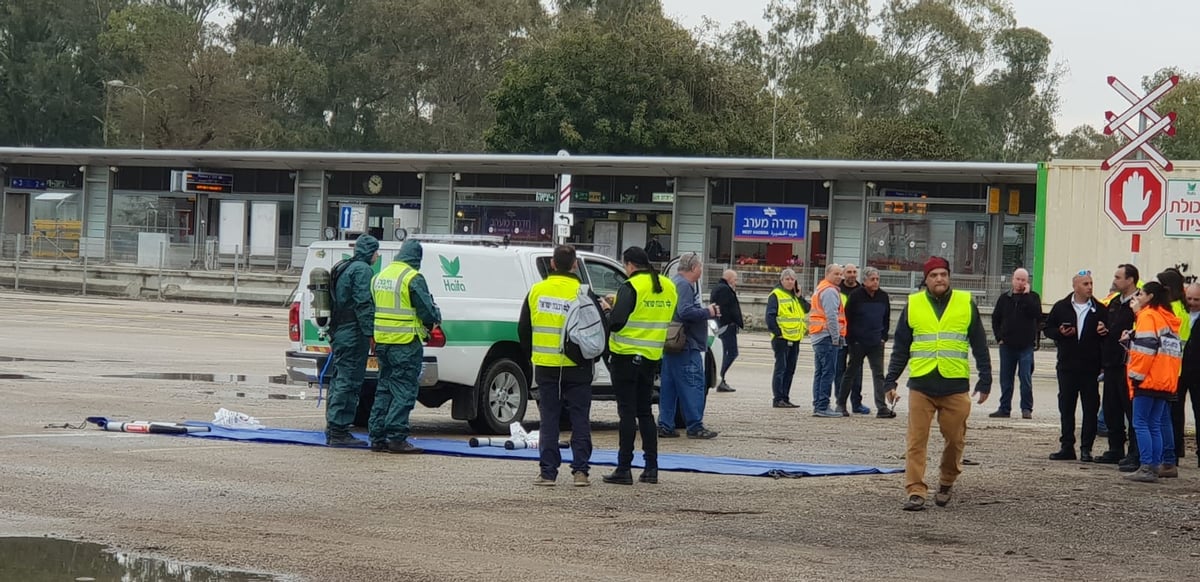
[7, 376]
[215, 378]
[55, 560]
[20, 359]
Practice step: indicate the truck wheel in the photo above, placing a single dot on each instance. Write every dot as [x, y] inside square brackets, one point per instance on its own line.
[366, 399]
[503, 398]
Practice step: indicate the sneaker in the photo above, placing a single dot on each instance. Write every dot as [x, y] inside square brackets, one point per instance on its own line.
[667, 434]
[1063, 455]
[861, 409]
[1144, 474]
[403, 448]
[1026, 414]
[379, 446]
[703, 433]
[841, 411]
[943, 495]
[581, 479]
[723, 387]
[914, 503]
[1168, 471]
[649, 476]
[999, 414]
[885, 413]
[344, 441]
[619, 477]
[542, 481]
[827, 413]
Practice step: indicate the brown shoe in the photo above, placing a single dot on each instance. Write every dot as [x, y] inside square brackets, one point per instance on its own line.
[1168, 471]
[943, 495]
[581, 479]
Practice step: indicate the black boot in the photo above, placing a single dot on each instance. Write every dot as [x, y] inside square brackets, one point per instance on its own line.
[343, 440]
[1130, 463]
[649, 476]
[619, 477]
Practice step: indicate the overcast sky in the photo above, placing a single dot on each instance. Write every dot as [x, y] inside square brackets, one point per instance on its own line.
[1093, 38]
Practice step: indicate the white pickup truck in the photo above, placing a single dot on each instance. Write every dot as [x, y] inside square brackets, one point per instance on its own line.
[476, 364]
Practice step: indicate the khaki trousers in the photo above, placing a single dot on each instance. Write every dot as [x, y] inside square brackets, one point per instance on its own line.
[952, 412]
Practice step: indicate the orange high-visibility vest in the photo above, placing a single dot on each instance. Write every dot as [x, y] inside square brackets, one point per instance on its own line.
[816, 318]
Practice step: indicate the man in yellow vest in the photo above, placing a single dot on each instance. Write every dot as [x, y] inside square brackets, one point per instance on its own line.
[827, 332]
[562, 374]
[933, 336]
[641, 313]
[404, 314]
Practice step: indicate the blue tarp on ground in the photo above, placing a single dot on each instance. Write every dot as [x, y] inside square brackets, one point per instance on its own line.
[666, 461]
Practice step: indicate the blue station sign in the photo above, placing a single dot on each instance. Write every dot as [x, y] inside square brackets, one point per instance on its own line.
[770, 222]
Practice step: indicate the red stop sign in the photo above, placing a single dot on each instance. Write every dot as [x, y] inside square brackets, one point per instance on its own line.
[1133, 196]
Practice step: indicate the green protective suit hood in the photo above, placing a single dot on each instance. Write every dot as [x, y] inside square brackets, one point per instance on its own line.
[411, 253]
[365, 247]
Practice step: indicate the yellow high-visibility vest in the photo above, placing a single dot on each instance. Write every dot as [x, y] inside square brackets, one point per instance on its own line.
[548, 304]
[940, 344]
[1185, 328]
[395, 319]
[646, 330]
[790, 317]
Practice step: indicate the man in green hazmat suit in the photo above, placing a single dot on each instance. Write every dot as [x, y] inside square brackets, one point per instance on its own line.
[405, 313]
[352, 326]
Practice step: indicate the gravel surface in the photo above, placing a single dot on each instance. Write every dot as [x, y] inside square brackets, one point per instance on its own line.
[323, 514]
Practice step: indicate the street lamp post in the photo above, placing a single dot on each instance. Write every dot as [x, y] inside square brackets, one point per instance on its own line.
[119, 84]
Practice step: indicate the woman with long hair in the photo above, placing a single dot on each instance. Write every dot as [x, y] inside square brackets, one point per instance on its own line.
[643, 309]
[1155, 354]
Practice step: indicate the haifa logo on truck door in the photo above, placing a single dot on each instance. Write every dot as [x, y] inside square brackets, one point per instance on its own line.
[451, 278]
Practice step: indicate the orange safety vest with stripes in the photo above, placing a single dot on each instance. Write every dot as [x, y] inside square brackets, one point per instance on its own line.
[1155, 352]
[816, 317]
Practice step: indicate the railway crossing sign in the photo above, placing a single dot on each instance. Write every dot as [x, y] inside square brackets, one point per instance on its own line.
[1141, 108]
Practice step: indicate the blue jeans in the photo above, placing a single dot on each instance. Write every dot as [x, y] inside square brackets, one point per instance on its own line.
[825, 360]
[785, 368]
[1017, 361]
[1152, 423]
[682, 385]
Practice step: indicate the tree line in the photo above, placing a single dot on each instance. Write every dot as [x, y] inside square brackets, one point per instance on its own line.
[915, 80]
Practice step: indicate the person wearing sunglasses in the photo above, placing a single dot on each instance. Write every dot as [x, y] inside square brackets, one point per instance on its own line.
[1077, 325]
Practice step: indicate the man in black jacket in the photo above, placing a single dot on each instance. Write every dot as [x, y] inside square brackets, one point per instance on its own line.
[1076, 323]
[724, 296]
[868, 321]
[1015, 325]
[1189, 376]
[1118, 410]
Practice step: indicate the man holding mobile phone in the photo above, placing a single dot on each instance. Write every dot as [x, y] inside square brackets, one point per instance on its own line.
[1076, 323]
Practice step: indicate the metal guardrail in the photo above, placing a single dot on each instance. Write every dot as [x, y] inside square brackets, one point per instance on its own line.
[120, 250]
[761, 279]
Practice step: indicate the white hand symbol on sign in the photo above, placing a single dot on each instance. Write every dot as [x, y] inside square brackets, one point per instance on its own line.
[1135, 199]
